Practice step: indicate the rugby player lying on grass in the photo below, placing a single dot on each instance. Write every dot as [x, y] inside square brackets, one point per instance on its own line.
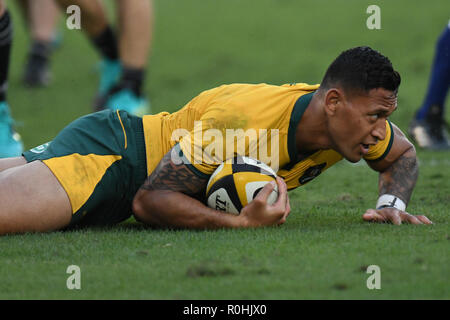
[106, 166]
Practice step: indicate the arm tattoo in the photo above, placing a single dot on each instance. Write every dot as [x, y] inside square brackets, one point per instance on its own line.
[400, 178]
[174, 177]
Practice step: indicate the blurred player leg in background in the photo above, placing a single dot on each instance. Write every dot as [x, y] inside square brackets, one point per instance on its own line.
[10, 142]
[41, 17]
[135, 32]
[123, 65]
[428, 128]
[94, 23]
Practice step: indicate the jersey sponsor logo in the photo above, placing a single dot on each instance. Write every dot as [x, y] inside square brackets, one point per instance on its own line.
[311, 173]
[41, 148]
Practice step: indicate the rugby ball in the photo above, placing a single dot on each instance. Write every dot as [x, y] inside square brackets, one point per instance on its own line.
[236, 183]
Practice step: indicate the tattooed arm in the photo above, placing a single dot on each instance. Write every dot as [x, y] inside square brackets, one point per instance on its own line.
[399, 171]
[400, 177]
[168, 199]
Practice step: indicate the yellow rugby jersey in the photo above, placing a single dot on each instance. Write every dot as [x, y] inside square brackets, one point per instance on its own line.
[255, 120]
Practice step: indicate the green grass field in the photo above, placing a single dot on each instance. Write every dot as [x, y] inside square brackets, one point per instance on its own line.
[323, 250]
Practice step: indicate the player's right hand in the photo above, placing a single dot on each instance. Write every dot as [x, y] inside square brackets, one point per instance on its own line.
[259, 213]
[394, 216]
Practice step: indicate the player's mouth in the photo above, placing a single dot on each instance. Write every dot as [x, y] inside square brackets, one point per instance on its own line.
[364, 148]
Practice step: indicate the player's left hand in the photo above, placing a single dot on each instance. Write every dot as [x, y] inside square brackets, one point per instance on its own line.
[394, 216]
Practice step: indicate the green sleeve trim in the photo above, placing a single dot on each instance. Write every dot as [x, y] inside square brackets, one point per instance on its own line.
[391, 141]
[297, 112]
[197, 172]
[190, 166]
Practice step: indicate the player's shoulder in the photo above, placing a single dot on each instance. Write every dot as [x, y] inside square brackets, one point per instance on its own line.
[301, 86]
[242, 87]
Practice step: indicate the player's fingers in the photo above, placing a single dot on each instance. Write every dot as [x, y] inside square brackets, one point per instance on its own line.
[374, 216]
[424, 220]
[409, 218]
[395, 217]
[288, 207]
[282, 194]
[406, 217]
[390, 215]
[266, 191]
[287, 210]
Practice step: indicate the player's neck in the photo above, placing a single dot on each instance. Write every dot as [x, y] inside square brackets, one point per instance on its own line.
[311, 134]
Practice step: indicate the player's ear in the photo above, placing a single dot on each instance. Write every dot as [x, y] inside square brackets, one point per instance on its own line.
[333, 98]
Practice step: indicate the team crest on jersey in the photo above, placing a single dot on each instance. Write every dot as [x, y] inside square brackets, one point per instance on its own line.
[311, 173]
[41, 148]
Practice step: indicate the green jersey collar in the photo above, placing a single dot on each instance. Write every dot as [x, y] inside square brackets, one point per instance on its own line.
[299, 108]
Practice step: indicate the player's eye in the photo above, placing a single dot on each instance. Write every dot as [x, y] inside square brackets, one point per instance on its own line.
[374, 116]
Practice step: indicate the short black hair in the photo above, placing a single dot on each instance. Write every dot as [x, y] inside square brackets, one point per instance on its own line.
[361, 69]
